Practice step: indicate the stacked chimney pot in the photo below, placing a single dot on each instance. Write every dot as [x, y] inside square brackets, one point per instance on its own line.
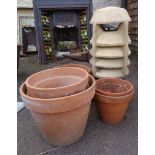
[110, 49]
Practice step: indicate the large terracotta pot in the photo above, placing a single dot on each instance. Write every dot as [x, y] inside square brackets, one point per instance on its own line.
[76, 65]
[57, 82]
[113, 87]
[62, 120]
[112, 109]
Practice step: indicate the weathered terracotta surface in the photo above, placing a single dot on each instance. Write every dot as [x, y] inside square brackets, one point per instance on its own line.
[113, 87]
[77, 65]
[112, 109]
[62, 120]
[57, 82]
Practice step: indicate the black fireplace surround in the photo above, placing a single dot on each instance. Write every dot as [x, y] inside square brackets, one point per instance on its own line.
[61, 20]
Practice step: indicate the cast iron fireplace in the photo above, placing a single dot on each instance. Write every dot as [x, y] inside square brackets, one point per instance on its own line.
[62, 25]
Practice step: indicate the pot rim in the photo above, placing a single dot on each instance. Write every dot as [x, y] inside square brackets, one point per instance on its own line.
[85, 67]
[115, 94]
[60, 98]
[59, 105]
[53, 89]
[116, 97]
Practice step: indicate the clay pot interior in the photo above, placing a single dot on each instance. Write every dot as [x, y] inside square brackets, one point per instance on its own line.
[24, 90]
[38, 79]
[77, 65]
[113, 87]
[57, 82]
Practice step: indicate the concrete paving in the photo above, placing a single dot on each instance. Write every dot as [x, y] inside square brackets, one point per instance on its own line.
[99, 138]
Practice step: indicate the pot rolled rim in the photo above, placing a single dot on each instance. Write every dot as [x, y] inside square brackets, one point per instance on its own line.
[86, 68]
[115, 97]
[47, 89]
[58, 105]
[60, 98]
[117, 94]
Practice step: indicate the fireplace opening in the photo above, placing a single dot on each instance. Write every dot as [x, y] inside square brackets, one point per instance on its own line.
[62, 26]
[65, 30]
[66, 38]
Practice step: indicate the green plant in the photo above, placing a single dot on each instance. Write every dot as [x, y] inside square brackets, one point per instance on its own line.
[46, 35]
[44, 19]
[84, 34]
[48, 50]
[83, 19]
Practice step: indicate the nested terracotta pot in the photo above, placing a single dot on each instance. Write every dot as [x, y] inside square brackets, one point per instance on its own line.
[112, 108]
[77, 65]
[113, 87]
[57, 82]
[62, 120]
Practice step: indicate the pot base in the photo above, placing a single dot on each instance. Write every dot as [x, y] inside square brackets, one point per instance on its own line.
[111, 115]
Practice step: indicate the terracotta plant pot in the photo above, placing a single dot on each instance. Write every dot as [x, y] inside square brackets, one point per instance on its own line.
[113, 87]
[57, 82]
[113, 99]
[112, 109]
[62, 120]
[77, 65]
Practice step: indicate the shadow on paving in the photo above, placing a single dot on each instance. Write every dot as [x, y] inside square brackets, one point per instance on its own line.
[98, 139]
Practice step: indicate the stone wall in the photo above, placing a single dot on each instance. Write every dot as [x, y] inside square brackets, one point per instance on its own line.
[98, 4]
